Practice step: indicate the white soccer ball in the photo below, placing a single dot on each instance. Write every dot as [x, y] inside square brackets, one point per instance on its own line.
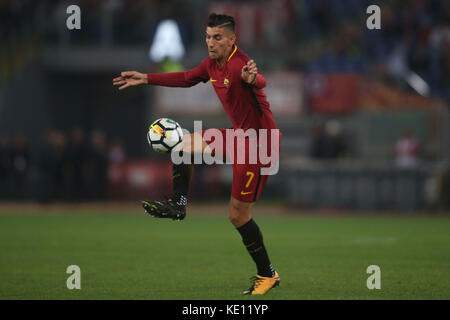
[164, 134]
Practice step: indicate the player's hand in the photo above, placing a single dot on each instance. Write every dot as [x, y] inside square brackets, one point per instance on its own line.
[130, 78]
[249, 72]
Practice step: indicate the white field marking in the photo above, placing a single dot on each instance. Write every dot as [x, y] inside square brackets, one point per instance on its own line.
[374, 240]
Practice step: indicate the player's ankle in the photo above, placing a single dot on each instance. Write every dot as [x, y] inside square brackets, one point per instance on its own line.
[266, 273]
[180, 200]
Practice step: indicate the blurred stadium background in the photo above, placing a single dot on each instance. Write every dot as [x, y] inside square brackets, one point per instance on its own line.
[364, 113]
[366, 131]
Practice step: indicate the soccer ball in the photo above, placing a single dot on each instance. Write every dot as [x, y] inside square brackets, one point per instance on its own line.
[164, 134]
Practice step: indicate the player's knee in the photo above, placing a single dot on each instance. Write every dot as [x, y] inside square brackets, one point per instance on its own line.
[192, 143]
[233, 217]
[238, 216]
[187, 144]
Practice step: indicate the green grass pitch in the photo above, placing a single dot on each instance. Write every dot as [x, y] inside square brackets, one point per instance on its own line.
[134, 256]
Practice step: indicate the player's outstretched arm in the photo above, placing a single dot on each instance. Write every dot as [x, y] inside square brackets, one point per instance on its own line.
[130, 78]
[182, 79]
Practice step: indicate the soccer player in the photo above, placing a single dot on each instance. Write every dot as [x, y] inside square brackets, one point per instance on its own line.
[239, 86]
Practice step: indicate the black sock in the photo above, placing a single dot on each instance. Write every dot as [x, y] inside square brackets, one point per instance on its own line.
[181, 175]
[253, 241]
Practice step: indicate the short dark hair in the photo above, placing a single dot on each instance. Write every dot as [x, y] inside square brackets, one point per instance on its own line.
[221, 21]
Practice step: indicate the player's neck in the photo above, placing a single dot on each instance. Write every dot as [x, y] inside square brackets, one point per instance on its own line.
[223, 60]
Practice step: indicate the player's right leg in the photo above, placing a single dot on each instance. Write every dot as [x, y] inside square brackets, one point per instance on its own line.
[175, 207]
[240, 216]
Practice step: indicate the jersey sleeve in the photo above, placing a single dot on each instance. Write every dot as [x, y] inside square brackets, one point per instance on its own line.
[260, 81]
[180, 79]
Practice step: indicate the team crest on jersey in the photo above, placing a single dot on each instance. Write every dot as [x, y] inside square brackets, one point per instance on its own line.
[226, 82]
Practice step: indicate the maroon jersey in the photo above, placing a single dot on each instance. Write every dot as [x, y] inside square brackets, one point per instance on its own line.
[245, 104]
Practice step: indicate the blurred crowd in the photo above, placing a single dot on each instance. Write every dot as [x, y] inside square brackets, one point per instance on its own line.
[59, 166]
[310, 35]
[414, 37]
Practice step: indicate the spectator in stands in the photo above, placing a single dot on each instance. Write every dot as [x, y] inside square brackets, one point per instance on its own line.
[328, 142]
[5, 167]
[336, 143]
[60, 160]
[97, 166]
[116, 152]
[45, 185]
[406, 150]
[20, 160]
[76, 164]
[50, 161]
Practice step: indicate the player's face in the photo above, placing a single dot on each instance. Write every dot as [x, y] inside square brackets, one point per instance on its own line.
[219, 42]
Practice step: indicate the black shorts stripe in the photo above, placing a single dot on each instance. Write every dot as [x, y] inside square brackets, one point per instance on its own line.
[257, 185]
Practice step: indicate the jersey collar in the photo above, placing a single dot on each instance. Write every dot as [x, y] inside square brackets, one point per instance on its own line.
[232, 52]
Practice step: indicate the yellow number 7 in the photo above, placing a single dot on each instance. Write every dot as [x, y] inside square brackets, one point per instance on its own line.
[251, 174]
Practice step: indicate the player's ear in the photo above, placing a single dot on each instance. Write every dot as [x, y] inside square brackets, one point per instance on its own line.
[233, 38]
